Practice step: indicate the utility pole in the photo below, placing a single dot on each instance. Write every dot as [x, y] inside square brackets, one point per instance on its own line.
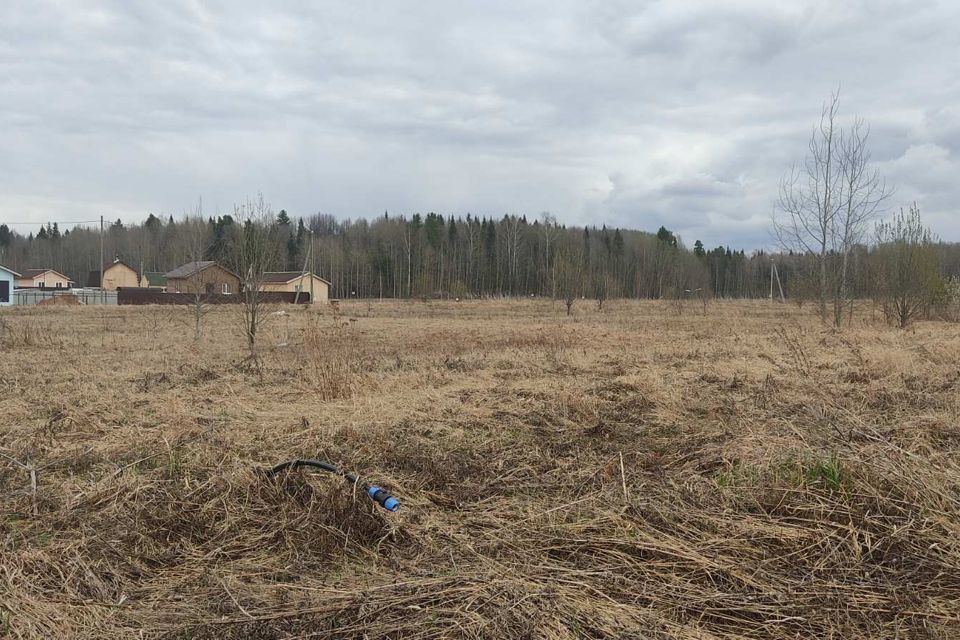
[101, 252]
[307, 261]
[773, 265]
[775, 273]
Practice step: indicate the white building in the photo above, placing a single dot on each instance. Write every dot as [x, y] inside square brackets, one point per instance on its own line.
[7, 279]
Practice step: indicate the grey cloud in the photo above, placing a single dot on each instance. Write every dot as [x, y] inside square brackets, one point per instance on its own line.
[682, 113]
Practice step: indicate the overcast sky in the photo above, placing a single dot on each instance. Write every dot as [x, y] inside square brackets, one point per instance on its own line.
[630, 114]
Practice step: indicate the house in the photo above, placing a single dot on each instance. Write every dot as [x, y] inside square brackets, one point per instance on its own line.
[296, 281]
[43, 279]
[116, 275]
[8, 278]
[154, 280]
[202, 276]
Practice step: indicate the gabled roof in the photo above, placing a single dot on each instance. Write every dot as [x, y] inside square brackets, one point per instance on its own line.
[193, 268]
[36, 273]
[116, 262]
[189, 269]
[287, 276]
[9, 270]
[155, 278]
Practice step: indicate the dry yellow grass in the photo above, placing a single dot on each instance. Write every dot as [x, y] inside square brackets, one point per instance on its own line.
[630, 473]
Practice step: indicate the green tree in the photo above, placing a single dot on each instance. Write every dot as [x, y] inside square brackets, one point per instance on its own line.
[666, 236]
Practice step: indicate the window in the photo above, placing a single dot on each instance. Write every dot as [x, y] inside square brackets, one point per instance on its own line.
[225, 287]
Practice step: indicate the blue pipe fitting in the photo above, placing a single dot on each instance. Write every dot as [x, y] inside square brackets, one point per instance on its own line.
[383, 498]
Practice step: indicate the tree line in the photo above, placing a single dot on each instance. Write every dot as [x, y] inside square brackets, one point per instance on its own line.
[430, 256]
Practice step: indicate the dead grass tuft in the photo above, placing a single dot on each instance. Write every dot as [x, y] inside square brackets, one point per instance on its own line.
[635, 473]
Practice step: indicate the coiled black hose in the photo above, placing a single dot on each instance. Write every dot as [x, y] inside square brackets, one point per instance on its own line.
[375, 493]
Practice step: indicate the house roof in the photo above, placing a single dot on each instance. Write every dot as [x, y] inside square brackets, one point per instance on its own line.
[116, 262]
[189, 269]
[36, 273]
[286, 276]
[9, 270]
[155, 278]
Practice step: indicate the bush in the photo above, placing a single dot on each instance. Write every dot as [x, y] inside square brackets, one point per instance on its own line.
[948, 299]
[908, 268]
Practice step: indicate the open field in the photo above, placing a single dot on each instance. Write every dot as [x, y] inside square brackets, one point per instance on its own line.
[630, 473]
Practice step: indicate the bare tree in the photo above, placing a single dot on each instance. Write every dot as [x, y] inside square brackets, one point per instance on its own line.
[809, 197]
[512, 226]
[550, 232]
[863, 195]
[408, 245]
[255, 250]
[827, 201]
[603, 287]
[568, 280]
[195, 245]
[704, 297]
[196, 248]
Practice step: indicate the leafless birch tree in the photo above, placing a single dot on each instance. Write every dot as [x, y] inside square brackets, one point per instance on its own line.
[550, 232]
[863, 195]
[827, 201]
[514, 239]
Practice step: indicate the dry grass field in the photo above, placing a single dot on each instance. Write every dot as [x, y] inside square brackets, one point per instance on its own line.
[630, 473]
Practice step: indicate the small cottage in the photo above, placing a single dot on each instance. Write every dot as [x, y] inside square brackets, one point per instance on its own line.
[202, 276]
[43, 279]
[8, 278]
[296, 281]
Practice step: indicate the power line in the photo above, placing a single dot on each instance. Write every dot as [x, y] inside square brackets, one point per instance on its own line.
[43, 224]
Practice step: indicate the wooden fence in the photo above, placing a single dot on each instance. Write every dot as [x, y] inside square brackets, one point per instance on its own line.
[152, 296]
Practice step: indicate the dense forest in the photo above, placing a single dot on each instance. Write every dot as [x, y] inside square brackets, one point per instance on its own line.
[435, 256]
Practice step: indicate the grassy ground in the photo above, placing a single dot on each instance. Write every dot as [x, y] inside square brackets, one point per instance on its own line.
[635, 472]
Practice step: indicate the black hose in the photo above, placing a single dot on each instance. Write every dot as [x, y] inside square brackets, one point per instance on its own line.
[374, 492]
